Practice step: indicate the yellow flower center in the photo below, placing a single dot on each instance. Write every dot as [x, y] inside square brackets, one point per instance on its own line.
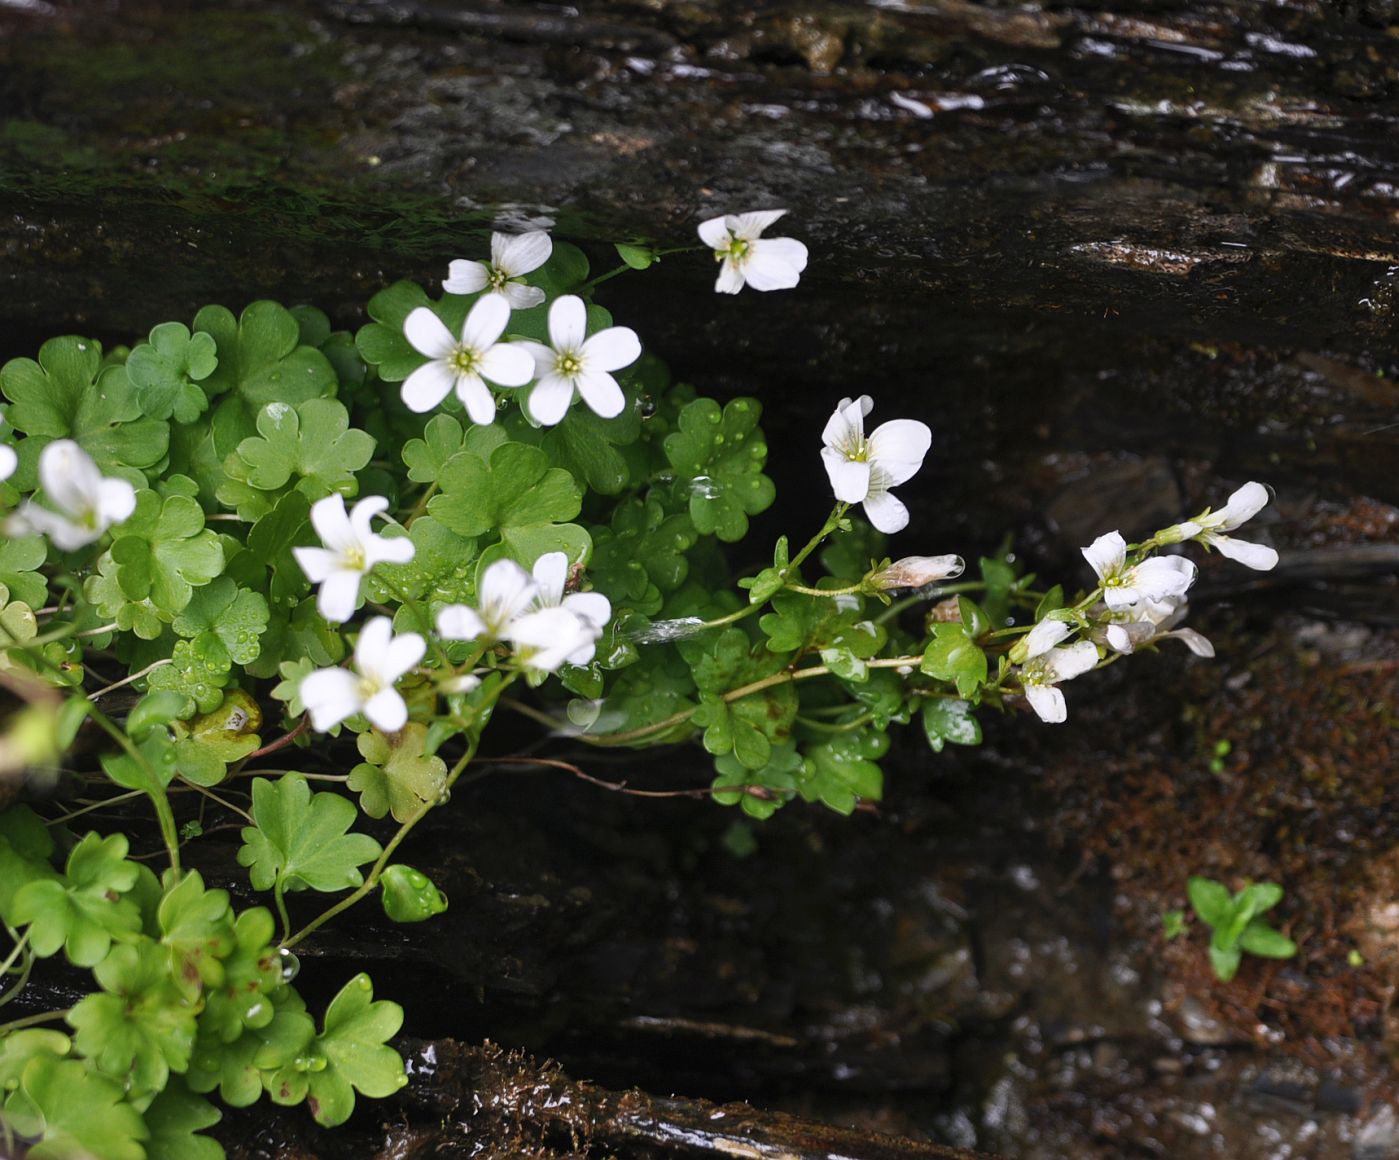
[570, 364]
[463, 360]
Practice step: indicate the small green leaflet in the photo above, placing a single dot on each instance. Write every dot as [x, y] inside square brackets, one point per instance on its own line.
[396, 775]
[167, 369]
[953, 721]
[299, 840]
[953, 656]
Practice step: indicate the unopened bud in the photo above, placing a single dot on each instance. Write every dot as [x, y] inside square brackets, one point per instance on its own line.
[916, 572]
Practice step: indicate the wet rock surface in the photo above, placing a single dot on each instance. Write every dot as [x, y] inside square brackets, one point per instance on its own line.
[1121, 256]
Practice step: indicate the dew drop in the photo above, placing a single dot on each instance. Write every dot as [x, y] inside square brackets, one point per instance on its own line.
[291, 965]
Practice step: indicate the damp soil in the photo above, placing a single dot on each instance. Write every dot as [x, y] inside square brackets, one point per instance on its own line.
[1122, 257]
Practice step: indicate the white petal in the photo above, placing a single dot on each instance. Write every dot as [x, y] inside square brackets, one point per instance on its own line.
[1251, 555]
[330, 695]
[1044, 636]
[387, 550]
[1048, 703]
[749, 225]
[519, 255]
[8, 461]
[1119, 639]
[486, 323]
[317, 563]
[885, 512]
[730, 280]
[116, 500]
[845, 429]
[402, 653]
[427, 334]
[550, 572]
[899, 447]
[547, 638]
[545, 357]
[427, 386]
[477, 398]
[789, 251]
[506, 590]
[507, 364]
[1070, 661]
[360, 515]
[850, 479]
[60, 530]
[612, 349]
[458, 622]
[1192, 640]
[1106, 554]
[714, 233]
[373, 641]
[1163, 577]
[602, 394]
[1243, 505]
[522, 297]
[593, 607]
[1121, 597]
[549, 401]
[387, 710]
[338, 595]
[568, 323]
[766, 270]
[69, 477]
[465, 277]
[332, 524]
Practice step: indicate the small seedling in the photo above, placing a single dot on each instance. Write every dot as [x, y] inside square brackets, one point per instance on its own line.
[1172, 924]
[1235, 924]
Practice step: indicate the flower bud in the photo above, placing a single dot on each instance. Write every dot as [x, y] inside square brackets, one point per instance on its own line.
[916, 572]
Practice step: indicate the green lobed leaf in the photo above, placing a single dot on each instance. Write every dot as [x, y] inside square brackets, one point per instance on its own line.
[139, 1027]
[261, 359]
[396, 775]
[84, 910]
[842, 772]
[1210, 900]
[21, 557]
[166, 371]
[72, 1111]
[950, 721]
[207, 745]
[381, 343]
[952, 655]
[299, 839]
[252, 970]
[718, 457]
[196, 928]
[353, 1043]
[174, 1120]
[777, 779]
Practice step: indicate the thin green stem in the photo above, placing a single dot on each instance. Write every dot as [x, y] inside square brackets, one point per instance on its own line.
[136, 676]
[421, 506]
[111, 801]
[156, 792]
[624, 268]
[371, 880]
[852, 590]
[787, 676]
[837, 727]
[280, 898]
[32, 1021]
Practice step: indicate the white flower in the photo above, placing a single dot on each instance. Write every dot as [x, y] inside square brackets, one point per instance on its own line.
[575, 362]
[1155, 578]
[1049, 665]
[331, 695]
[8, 461]
[545, 639]
[351, 550]
[87, 502]
[592, 608]
[512, 257]
[1209, 528]
[747, 256]
[464, 364]
[506, 592]
[917, 572]
[863, 470]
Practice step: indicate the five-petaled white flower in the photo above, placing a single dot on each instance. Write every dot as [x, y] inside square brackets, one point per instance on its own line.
[862, 470]
[593, 608]
[575, 362]
[350, 551]
[505, 594]
[87, 503]
[748, 257]
[466, 363]
[1047, 665]
[1155, 578]
[512, 257]
[331, 695]
[1209, 528]
[548, 637]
